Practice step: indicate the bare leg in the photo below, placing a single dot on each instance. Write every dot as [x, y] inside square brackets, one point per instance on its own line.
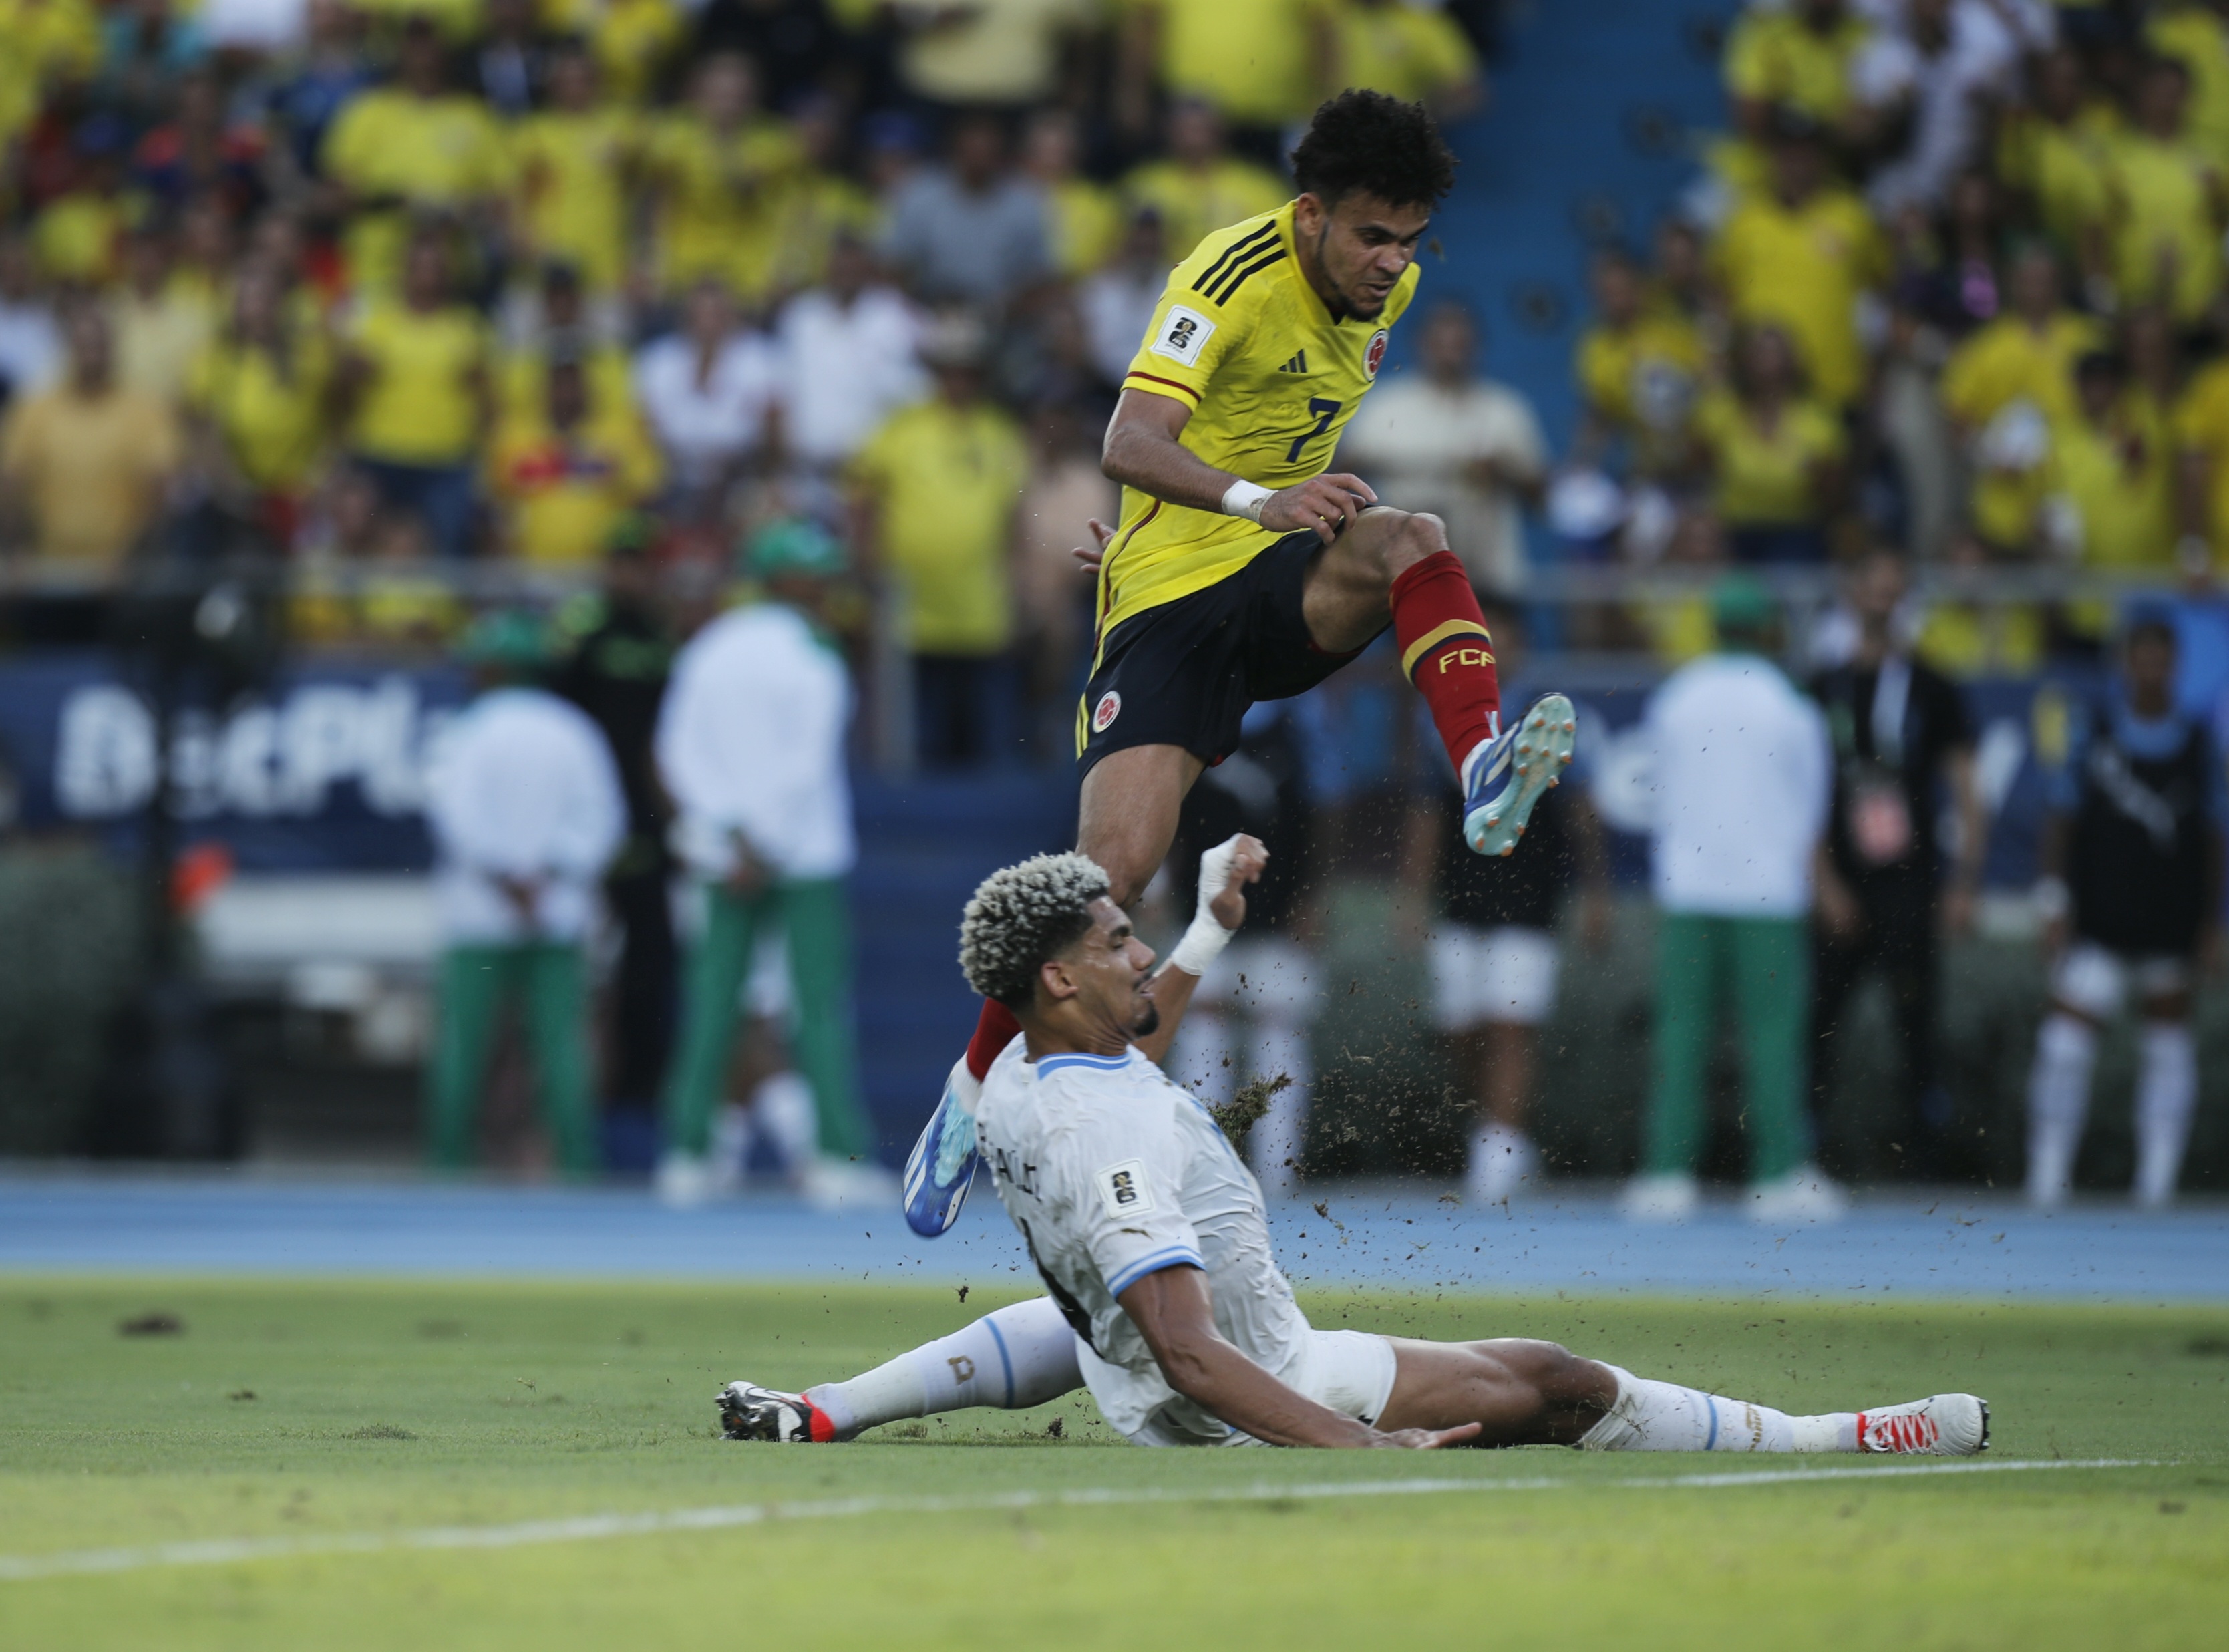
[1525, 1392]
[1347, 599]
[1127, 816]
[1536, 1393]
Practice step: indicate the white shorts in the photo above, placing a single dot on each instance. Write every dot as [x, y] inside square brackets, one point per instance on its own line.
[1505, 975]
[1348, 1372]
[1263, 976]
[2096, 979]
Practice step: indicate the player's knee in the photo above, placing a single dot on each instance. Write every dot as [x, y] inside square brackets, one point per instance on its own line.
[1552, 1372]
[1397, 542]
[1420, 535]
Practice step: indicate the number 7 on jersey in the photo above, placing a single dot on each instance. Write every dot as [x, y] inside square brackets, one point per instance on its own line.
[1324, 412]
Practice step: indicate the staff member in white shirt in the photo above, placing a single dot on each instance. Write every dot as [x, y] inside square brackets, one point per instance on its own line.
[525, 810]
[1742, 782]
[750, 745]
[1461, 447]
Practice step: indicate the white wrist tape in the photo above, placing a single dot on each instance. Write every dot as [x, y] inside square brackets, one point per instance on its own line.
[1205, 939]
[1245, 498]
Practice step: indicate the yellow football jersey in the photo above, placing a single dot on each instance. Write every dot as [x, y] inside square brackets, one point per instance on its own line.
[1271, 377]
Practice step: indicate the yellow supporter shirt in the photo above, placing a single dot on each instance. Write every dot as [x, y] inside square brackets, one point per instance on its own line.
[2004, 364]
[1083, 224]
[1253, 59]
[992, 51]
[2007, 362]
[721, 201]
[1401, 50]
[2119, 478]
[457, 20]
[811, 210]
[1965, 641]
[946, 481]
[418, 407]
[1803, 269]
[49, 39]
[565, 492]
[1763, 478]
[2059, 168]
[571, 183]
[2164, 244]
[2195, 37]
[269, 413]
[1643, 382]
[42, 41]
[1194, 205]
[1772, 58]
[158, 339]
[2200, 427]
[74, 237]
[393, 151]
[522, 378]
[1741, 168]
[92, 468]
[1271, 377]
[632, 39]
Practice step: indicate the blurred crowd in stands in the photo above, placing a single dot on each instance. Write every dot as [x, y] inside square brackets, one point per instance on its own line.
[1953, 281]
[401, 288]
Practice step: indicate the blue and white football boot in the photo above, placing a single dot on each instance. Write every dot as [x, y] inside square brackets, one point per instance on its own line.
[941, 1166]
[1512, 773]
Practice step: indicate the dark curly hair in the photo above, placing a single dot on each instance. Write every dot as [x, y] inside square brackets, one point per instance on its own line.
[1370, 143]
[1022, 916]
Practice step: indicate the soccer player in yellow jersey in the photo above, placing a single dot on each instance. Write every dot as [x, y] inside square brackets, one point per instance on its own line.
[1241, 570]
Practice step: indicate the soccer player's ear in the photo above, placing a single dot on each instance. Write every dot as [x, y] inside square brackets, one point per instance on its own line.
[1056, 982]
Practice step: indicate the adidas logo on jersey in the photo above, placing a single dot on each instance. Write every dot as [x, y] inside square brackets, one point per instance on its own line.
[1298, 365]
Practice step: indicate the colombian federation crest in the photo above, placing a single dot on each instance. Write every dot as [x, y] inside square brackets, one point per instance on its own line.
[1373, 353]
[1103, 714]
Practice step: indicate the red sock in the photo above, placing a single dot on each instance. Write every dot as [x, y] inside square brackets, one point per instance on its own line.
[1447, 652]
[994, 1030]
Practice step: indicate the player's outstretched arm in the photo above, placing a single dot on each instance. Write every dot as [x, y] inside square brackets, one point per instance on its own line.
[1224, 871]
[1174, 1312]
[1142, 451]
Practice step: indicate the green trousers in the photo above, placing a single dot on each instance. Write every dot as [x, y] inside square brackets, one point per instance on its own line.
[1768, 961]
[814, 915]
[549, 982]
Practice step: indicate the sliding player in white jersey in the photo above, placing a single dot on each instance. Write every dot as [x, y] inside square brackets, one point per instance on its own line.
[1149, 1233]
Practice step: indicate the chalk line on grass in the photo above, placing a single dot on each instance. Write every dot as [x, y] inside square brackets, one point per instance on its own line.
[21, 1568]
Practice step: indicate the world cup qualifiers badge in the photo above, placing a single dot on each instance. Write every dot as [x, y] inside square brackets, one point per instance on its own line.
[1103, 715]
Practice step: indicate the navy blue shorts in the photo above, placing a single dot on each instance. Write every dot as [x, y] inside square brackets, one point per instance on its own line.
[1184, 672]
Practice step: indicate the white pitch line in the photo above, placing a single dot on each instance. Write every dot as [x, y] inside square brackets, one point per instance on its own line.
[22, 1568]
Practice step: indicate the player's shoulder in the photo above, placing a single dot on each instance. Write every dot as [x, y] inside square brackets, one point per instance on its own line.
[1233, 269]
[1090, 1096]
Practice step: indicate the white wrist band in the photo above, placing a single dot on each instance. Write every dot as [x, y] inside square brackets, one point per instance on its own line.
[1245, 498]
[1205, 939]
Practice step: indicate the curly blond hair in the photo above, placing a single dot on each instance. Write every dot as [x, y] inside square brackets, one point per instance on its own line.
[1023, 914]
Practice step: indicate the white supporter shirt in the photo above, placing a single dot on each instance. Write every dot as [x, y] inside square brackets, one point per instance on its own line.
[1741, 778]
[704, 424]
[1413, 441]
[844, 370]
[1112, 1173]
[750, 740]
[522, 786]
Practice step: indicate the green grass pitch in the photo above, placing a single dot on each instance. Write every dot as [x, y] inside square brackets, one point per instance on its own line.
[317, 1413]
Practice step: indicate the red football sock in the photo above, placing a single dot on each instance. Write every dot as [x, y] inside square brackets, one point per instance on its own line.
[994, 1030]
[1447, 652]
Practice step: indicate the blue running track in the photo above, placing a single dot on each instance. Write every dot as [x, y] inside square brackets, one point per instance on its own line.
[1956, 1245]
